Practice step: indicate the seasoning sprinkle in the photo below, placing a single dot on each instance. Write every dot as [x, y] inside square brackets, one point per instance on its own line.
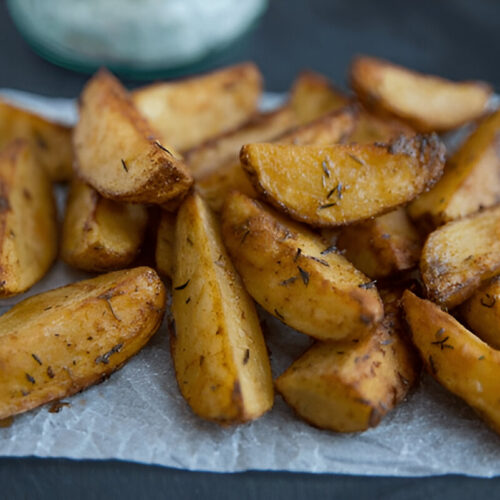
[324, 164]
[330, 249]
[163, 147]
[124, 165]
[442, 343]
[368, 285]
[184, 285]
[247, 232]
[36, 358]
[356, 159]
[104, 359]
[246, 357]
[297, 255]
[188, 300]
[327, 205]
[288, 281]
[330, 193]
[50, 373]
[304, 275]
[320, 261]
[480, 358]
[30, 378]
[432, 365]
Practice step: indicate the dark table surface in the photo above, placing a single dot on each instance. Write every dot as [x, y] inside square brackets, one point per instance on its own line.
[458, 39]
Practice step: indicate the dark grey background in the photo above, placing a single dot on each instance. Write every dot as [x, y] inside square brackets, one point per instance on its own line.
[456, 39]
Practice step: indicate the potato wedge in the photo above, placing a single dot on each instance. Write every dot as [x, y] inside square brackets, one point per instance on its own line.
[28, 219]
[211, 155]
[229, 177]
[188, 112]
[292, 274]
[220, 357]
[349, 387]
[455, 357]
[471, 179]
[116, 149]
[460, 255]
[313, 95]
[427, 103]
[52, 141]
[100, 234]
[165, 245]
[482, 313]
[57, 343]
[382, 246]
[328, 186]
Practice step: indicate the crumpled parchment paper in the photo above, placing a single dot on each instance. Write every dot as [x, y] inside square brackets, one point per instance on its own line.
[139, 415]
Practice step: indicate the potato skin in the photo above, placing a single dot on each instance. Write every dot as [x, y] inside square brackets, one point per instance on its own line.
[57, 343]
[189, 111]
[459, 256]
[382, 246]
[482, 313]
[290, 272]
[100, 234]
[118, 153]
[427, 103]
[470, 182]
[220, 357]
[303, 181]
[52, 141]
[455, 357]
[28, 219]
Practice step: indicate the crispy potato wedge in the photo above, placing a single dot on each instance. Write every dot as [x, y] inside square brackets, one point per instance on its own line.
[313, 95]
[455, 357]
[220, 357]
[482, 313]
[328, 186]
[460, 255]
[370, 128]
[328, 129]
[382, 246]
[294, 276]
[165, 245]
[28, 219]
[471, 179]
[211, 155]
[100, 234]
[57, 343]
[190, 111]
[52, 141]
[349, 387]
[116, 149]
[427, 103]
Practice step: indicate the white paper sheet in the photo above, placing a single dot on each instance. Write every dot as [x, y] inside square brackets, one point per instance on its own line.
[139, 415]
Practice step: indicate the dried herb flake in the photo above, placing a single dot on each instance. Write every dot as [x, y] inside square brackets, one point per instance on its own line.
[184, 285]
[304, 275]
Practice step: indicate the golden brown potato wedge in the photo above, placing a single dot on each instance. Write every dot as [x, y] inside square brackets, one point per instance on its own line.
[57, 343]
[312, 95]
[100, 234]
[471, 179]
[293, 275]
[482, 313]
[211, 155]
[349, 387]
[230, 176]
[190, 111]
[220, 357]
[334, 185]
[28, 219]
[116, 149]
[382, 246]
[165, 245]
[427, 103]
[455, 357]
[460, 255]
[52, 141]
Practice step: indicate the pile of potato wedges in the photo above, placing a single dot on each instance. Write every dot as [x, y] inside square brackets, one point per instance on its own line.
[339, 213]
